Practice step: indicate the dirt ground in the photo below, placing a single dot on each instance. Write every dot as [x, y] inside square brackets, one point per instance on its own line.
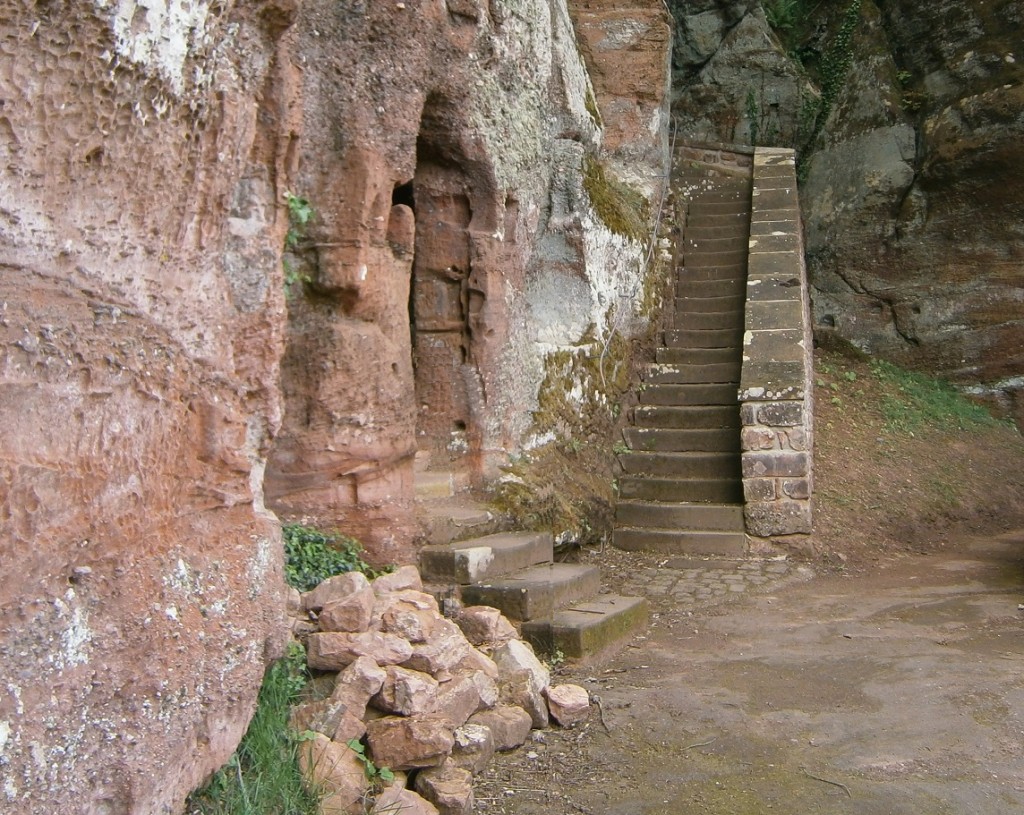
[896, 691]
[885, 674]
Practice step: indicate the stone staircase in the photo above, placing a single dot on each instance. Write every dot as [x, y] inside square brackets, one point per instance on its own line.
[681, 488]
[558, 606]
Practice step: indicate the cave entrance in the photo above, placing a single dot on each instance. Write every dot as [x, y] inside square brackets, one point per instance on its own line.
[441, 300]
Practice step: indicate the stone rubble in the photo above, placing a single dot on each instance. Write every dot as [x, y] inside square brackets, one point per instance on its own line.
[426, 695]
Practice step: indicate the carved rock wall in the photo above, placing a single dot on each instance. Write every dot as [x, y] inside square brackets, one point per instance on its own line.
[454, 246]
[141, 155]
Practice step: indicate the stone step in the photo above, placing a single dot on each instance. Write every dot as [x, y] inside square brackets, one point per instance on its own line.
[446, 519]
[734, 271]
[675, 542]
[430, 485]
[589, 630]
[681, 490]
[668, 440]
[737, 207]
[712, 288]
[707, 338]
[715, 257]
[536, 592]
[471, 561]
[693, 318]
[737, 242]
[699, 394]
[669, 374]
[706, 231]
[706, 517]
[687, 416]
[710, 465]
[696, 356]
[701, 218]
[730, 302]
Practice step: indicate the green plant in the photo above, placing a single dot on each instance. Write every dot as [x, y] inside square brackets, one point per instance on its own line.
[624, 210]
[374, 774]
[263, 777]
[311, 556]
[904, 77]
[620, 448]
[300, 213]
[783, 15]
[918, 400]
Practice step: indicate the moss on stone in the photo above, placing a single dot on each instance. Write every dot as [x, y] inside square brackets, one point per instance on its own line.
[590, 103]
[623, 209]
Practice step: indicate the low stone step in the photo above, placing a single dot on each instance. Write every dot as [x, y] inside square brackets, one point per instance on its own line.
[701, 218]
[704, 338]
[687, 416]
[429, 485]
[705, 231]
[682, 490]
[706, 517]
[699, 394]
[675, 542]
[712, 288]
[737, 242]
[733, 271]
[696, 356]
[447, 519]
[696, 319]
[670, 374]
[737, 207]
[536, 592]
[711, 465]
[477, 559]
[730, 302]
[667, 440]
[589, 630]
[714, 257]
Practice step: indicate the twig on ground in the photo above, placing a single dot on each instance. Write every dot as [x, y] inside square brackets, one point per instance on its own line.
[595, 699]
[700, 744]
[839, 784]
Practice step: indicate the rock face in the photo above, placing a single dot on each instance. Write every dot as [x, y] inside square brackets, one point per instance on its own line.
[421, 163]
[914, 205]
[141, 166]
[912, 200]
[453, 245]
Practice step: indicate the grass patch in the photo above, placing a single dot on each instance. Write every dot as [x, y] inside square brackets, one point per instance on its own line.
[623, 209]
[311, 556]
[922, 401]
[262, 777]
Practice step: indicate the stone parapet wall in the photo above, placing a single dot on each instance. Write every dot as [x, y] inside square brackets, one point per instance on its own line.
[775, 387]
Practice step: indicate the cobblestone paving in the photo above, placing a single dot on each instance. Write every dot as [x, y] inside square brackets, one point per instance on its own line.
[689, 583]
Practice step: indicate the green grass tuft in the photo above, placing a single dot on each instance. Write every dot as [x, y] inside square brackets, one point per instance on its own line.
[263, 776]
[924, 401]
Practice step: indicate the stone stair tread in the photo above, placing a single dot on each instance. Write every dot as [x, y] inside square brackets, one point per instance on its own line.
[695, 440]
[476, 559]
[682, 373]
[688, 464]
[689, 490]
[446, 519]
[694, 394]
[695, 356]
[708, 517]
[687, 416]
[704, 338]
[590, 629]
[537, 591]
[674, 541]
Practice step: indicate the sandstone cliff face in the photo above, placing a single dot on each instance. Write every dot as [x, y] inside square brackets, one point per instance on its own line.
[912, 202]
[149, 152]
[453, 248]
[141, 155]
[915, 203]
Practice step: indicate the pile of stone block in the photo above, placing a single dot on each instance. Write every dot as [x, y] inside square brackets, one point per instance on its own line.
[428, 697]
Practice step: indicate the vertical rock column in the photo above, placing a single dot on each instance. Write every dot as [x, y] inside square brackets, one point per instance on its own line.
[775, 386]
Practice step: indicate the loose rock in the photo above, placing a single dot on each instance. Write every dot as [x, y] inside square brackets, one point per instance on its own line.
[334, 588]
[448, 788]
[330, 651]
[407, 692]
[352, 613]
[484, 625]
[397, 800]
[510, 726]
[474, 748]
[568, 704]
[335, 770]
[402, 743]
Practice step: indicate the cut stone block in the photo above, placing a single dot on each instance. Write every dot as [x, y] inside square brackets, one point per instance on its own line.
[537, 591]
[589, 629]
[478, 559]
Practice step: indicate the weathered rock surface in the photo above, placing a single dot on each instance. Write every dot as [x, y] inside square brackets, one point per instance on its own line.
[569, 704]
[334, 589]
[141, 173]
[349, 614]
[484, 625]
[405, 743]
[448, 788]
[334, 769]
[442, 182]
[509, 725]
[473, 749]
[332, 651]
